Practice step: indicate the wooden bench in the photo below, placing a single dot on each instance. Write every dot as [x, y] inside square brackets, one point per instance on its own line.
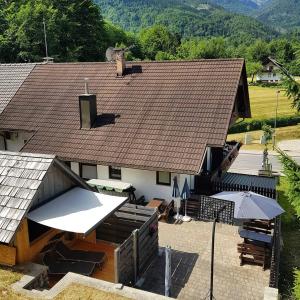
[164, 216]
[254, 254]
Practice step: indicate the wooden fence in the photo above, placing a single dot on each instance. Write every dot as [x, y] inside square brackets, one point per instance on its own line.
[204, 208]
[275, 259]
[136, 253]
[219, 186]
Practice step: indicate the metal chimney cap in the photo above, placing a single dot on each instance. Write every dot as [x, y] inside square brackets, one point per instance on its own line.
[86, 86]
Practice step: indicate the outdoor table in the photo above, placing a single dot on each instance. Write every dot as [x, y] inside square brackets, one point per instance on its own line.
[154, 203]
[255, 236]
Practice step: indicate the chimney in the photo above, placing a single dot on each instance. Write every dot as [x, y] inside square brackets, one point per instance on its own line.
[87, 107]
[120, 61]
[48, 60]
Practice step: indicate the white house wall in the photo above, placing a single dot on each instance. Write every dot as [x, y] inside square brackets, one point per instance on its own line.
[16, 142]
[144, 181]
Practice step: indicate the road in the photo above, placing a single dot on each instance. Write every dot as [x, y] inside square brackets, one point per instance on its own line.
[249, 162]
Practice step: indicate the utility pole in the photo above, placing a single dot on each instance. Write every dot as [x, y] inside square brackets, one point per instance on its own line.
[275, 121]
[45, 37]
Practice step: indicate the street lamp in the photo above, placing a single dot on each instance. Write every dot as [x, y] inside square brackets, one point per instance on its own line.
[275, 121]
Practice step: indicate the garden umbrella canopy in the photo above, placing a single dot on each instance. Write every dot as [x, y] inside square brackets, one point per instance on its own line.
[249, 205]
[175, 192]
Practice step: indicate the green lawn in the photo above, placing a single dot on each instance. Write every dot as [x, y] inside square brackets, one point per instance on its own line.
[263, 103]
[283, 133]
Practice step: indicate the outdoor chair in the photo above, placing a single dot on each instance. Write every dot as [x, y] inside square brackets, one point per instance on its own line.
[254, 254]
[58, 266]
[80, 255]
[167, 211]
[141, 201]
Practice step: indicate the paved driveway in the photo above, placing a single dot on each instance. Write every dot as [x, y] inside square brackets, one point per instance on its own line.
[191, 264]
[249, 162]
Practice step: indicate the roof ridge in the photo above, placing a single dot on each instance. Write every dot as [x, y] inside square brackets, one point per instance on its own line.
[147, 61]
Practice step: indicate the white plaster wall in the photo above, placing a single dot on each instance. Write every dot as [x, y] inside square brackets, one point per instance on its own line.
[75, 167]
[145, 182]
[16, 144]
[268, 77]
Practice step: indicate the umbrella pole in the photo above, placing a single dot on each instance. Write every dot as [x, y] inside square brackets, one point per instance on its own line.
[186, 218]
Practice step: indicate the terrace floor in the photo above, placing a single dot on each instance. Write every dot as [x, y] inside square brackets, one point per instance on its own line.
[191, 245]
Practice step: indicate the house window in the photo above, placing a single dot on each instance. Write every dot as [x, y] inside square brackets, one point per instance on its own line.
[163, 178]
[88, 171]
[115, 173]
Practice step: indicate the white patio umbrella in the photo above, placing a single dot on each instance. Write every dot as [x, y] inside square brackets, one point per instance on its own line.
[185, 194]
[249, 205]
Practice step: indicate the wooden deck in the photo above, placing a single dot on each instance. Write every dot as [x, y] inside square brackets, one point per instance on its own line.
[107, 273]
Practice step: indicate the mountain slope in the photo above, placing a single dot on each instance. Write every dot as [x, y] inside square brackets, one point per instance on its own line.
[281, 13]
[187, 17]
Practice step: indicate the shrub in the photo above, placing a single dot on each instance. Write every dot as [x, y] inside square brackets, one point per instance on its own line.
[258, 124]
[296, 288]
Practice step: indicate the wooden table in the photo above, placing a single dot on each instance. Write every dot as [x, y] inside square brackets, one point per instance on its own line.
[255, 236]
[155, 203]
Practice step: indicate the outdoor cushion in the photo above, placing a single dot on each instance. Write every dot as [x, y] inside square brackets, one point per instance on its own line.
[79, 255]
[57, 266]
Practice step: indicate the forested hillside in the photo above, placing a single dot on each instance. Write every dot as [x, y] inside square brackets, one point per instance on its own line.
[187, 18]
[282, 13]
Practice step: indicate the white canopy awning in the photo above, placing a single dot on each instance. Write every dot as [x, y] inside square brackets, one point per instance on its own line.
[110, 185]
[77, 210]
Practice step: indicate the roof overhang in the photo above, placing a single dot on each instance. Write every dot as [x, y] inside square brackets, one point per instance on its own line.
[77, 210]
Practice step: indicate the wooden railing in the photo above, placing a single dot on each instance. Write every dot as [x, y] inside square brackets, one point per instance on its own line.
[275, 259]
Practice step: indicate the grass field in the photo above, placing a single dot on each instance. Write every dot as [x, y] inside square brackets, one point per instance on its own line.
[283, 133]
[263, 103]
[72, 292]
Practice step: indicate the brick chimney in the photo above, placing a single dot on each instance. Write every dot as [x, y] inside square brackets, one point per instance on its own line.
[120, 61]
[87, 108]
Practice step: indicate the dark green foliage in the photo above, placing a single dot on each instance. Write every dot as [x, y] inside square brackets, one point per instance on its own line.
[188, 18]
[258, 124]
[281, 13]
[158, 39]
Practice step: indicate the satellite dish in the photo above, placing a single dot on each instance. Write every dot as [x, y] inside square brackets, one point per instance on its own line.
[110, 54]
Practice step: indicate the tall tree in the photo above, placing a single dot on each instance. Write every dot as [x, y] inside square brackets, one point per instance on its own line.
[75, 29]
[292, 86]
[158, 39]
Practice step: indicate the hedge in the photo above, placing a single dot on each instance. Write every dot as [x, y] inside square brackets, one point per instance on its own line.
[257, 124]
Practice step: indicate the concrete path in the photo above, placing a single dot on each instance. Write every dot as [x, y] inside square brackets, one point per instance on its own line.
[250, 161]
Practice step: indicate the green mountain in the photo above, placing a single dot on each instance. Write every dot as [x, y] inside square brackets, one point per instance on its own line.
[186, 17]
[281, 14]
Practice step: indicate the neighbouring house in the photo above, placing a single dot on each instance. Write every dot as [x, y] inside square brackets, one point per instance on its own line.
[43, 202]
[141, 123]
[272, 71]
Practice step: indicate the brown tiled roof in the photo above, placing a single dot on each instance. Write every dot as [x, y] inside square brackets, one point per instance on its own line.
[160, 116]
[11, 78]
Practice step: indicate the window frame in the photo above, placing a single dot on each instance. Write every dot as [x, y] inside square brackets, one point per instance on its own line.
[163, 183]
[86, 164]
[111, 175]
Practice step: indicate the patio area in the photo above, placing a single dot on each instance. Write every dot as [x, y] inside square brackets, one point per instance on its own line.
[191, 264]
